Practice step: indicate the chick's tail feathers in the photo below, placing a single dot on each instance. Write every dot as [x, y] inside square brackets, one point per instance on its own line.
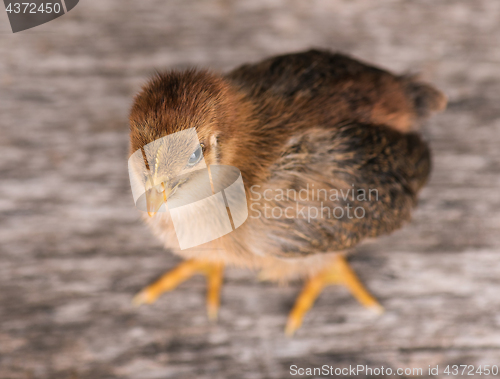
[425, 98]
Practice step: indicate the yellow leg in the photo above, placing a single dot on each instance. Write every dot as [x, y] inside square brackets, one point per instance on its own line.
[170, 280]
[339, 273]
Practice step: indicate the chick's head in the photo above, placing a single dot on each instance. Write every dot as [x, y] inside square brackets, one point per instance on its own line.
[175, 127]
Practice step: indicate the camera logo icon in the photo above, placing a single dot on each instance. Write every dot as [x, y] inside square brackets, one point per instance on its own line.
[170, 176]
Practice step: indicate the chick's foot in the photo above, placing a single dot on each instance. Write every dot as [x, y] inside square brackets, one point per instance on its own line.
[338, 273]
[213, 271]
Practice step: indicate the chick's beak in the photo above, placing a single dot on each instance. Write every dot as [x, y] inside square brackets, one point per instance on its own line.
[156, 197]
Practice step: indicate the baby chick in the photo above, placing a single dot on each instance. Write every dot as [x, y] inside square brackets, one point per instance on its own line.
[329, 154]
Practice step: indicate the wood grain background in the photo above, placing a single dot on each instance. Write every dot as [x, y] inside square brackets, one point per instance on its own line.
[73, 252]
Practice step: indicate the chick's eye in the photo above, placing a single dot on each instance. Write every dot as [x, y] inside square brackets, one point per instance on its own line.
[195, 157]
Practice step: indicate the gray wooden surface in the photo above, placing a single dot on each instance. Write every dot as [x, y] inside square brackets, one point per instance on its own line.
[73, 252]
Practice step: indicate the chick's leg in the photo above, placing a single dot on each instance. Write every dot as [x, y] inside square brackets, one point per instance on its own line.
[170, 280]
[338, 273]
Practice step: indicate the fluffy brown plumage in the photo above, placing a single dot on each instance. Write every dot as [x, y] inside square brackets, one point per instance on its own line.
[305, 121]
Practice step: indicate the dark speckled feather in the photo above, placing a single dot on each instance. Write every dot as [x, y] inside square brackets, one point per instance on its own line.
[376, 170]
